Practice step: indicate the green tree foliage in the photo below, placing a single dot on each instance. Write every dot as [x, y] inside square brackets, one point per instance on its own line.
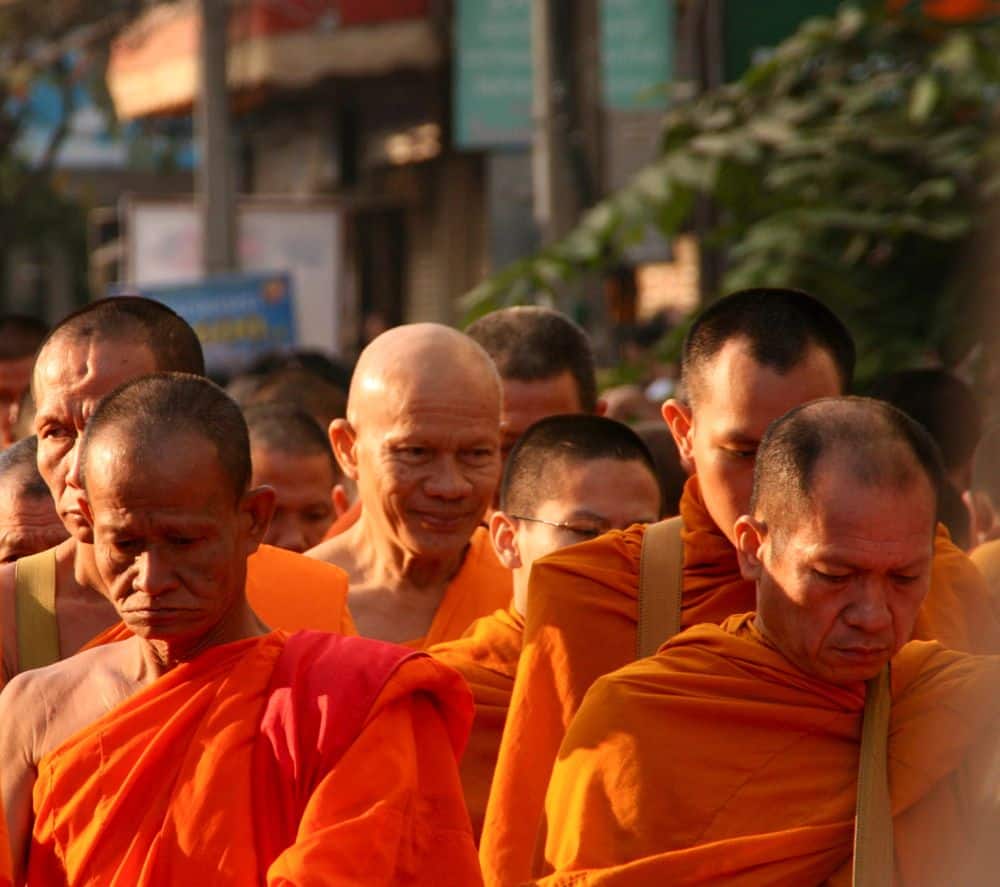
[850, 163]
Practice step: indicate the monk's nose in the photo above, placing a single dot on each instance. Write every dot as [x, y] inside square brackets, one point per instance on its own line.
[154, 575]
[870, 608]
[448, 480]
[73, 473]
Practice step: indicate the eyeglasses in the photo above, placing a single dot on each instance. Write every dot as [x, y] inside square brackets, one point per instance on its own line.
[584, 531]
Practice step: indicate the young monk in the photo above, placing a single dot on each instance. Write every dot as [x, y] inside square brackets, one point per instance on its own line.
[421, 440]
[731, 756]
[747, 360]
[291, 455]
[28, 519]
[567, 479]
[86, 357]
[204, 748]
[546, 366]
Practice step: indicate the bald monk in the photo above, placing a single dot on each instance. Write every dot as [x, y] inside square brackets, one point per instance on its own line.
[747, 360]
[567, 479]
[20, 336]
[421, 440]
[204, 747]
[86, 357]
[291, 455]
[546, 366]
[28, 519]
[731, 756]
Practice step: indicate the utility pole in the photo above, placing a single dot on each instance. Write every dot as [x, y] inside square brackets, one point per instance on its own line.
[215, 175]
[566, 145]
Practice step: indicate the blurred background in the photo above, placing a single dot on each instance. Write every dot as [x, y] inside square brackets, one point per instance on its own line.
[302, 174]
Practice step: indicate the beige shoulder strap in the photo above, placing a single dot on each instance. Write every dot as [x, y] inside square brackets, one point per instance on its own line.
[35, 603]
[660, 583]
[873, 848]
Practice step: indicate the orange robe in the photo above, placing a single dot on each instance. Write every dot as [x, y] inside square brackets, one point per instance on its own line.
[288, 591]
[6, 869]
[581, 624]
[481, 585]
[718, 762]
[278, 760]
[486, 656]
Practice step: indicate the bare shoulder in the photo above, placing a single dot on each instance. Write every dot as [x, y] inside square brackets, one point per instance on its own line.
[333, 551]
[8, 619]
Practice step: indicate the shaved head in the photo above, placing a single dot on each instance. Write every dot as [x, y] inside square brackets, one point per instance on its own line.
[877, 445]
[286, 428]
[406, 360]
[148, 414]
[28, 519]
[138, 322]
[19, 469]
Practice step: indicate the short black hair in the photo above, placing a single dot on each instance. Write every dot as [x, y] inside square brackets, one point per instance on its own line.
[286, 428]
[171, 340]
[311, 393]
[20, 336]
[529, 343]
[20, 462]
[532, 474]
[779, 326]
[869, 433]
[942, 403]
[154, 408]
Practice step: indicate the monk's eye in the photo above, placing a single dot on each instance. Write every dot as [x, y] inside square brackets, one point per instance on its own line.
[478, 455]
[56, 432]
[830, 578]
[413, 455]
[740, 452]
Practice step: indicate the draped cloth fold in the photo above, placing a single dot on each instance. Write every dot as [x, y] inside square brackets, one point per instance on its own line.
[486, 656]
[718, 762]
[309, 759]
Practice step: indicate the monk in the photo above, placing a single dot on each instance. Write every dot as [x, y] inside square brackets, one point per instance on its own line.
[421, 440]
[747, 359]
[28, 519]
[731, 756]
[20, 337]
[546, 366]
[206, 748]
[86, 357]
[291, 455]
[567, 479]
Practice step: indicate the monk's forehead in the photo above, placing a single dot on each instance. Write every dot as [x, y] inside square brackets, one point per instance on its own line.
[90, 363]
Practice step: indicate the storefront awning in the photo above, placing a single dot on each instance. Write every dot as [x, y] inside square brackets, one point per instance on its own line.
[281, 44]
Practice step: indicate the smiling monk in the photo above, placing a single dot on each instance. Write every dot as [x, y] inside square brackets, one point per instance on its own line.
[731, 757]
[53, 603]
[421, 439]
[205, 748]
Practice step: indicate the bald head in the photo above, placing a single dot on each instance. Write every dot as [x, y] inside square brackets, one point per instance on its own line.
[407, 360]
[870, 442]
[137, 321]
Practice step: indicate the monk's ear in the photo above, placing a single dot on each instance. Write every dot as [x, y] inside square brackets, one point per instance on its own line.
[343, 439]
[677, 415]
[749, 534]
[340, 500]
[503, 534]
[257, 509]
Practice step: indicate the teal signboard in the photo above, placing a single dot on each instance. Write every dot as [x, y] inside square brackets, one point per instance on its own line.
[493, 68]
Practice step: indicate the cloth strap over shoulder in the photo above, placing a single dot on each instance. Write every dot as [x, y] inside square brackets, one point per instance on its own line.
[35, 606]
[661, 581]
[873, 840]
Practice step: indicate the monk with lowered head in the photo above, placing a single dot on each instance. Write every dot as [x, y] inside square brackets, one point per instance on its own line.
[747, 359]
[732, 755]
[567, 479]
[28, 519]
[205, 746]
[53, 603]
[421, 440]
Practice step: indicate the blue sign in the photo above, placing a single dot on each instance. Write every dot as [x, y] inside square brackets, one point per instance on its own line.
[238, 317]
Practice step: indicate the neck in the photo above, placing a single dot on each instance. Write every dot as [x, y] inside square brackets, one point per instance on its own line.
[384, 562]
[85, 566]
[160, 656]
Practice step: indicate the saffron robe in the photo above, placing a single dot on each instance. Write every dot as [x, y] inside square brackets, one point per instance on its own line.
[310, 759]
[286, 590]
[582, 621]
[481, 586]
[486, 656]
[719, 762]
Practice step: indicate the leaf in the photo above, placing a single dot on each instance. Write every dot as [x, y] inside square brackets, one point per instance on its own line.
[923, 98]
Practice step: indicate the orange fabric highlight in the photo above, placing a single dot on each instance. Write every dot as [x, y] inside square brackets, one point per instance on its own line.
[718, 762]
[581, 624]
[481, 586]
[6, 870]
[486, 656]
[288, 591]
[162, 790]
